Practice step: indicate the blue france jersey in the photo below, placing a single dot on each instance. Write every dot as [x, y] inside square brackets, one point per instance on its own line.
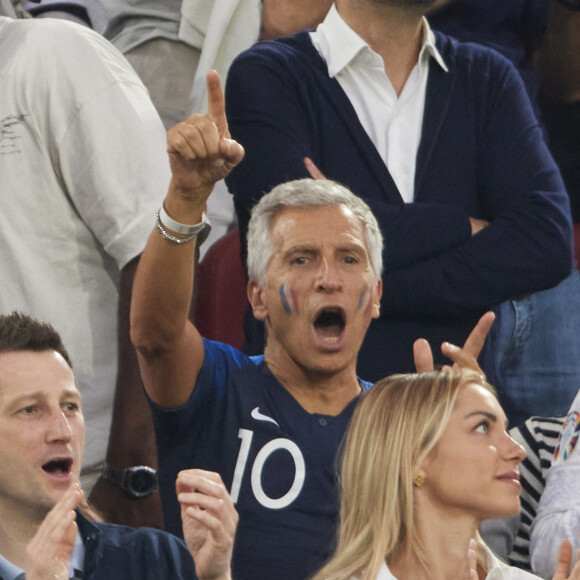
[277, 460]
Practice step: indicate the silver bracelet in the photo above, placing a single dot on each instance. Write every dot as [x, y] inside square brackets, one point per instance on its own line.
[167, 236]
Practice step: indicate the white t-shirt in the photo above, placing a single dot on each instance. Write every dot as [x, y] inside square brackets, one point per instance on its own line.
[83, 168]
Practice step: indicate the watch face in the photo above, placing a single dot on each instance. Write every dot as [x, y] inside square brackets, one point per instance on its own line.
[142, 481]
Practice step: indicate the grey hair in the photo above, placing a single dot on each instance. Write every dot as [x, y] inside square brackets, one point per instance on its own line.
[303, 193]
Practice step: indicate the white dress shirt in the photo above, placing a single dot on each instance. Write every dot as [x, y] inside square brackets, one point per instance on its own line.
[392, 123]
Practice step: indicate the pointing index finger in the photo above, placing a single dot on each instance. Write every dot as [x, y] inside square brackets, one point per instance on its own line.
[217, 103]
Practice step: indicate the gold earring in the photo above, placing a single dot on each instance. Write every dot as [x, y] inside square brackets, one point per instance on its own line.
[419, 480]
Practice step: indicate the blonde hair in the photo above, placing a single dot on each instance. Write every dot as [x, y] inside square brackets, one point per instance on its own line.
[397, 423]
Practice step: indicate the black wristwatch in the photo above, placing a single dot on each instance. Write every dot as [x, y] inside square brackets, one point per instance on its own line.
[139, 481]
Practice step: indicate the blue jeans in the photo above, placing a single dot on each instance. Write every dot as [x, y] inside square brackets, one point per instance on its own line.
[535, 346]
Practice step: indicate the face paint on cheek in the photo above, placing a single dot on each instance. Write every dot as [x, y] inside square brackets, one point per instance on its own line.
[288, 300]
[364, 300]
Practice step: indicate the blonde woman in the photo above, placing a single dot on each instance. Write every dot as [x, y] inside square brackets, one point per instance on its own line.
[427, 458]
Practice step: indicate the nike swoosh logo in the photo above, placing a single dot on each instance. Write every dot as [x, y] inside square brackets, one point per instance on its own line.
[259, 417]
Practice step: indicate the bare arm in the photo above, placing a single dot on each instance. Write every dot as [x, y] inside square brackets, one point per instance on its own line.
[132, 438]
[557, 60]
[169, 348]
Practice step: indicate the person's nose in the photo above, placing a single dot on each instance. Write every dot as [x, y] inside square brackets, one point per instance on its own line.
[513, 450]
[328, 278]
[59, 427]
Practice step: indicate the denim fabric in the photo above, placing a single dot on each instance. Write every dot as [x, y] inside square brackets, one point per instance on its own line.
[536, 348]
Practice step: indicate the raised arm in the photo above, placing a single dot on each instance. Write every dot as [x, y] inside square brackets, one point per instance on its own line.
[169, 348]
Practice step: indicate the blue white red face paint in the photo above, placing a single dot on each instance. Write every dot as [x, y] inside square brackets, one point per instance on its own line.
[364, 300]
[288, 300]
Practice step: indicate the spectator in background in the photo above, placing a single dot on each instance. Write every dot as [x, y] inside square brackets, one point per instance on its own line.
[173, 44]
[438, 137]
[558, 514]
[535, 342]
[83, 162]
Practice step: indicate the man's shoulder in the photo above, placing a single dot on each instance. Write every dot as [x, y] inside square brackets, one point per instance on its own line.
[292, 51]
[459, 54]
[220, 354]
[64, 49]
[40, 33]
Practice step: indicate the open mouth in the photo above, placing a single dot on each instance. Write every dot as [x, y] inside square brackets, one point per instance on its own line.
[329, 324]
[58, 466]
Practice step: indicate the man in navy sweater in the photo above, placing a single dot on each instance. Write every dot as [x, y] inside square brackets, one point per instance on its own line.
[438, 137]
[536, 344]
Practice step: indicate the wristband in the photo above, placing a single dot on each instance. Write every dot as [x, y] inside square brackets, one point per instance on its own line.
[179, 228]
[199, 231]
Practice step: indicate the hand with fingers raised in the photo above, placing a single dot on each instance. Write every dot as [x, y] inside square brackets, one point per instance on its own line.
[49, 550]
[201, 151]
[464, 357]
[209, 522]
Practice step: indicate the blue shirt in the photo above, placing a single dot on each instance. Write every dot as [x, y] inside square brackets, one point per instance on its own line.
[277, 460]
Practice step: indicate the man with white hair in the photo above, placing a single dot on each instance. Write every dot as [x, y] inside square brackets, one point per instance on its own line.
[270, 425]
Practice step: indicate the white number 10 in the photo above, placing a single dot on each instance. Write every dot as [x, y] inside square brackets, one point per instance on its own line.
[256, 477]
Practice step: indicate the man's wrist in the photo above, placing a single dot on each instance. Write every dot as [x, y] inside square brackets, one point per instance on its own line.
[166, 226]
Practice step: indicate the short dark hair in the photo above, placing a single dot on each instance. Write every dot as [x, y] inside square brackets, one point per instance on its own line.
[22, 332]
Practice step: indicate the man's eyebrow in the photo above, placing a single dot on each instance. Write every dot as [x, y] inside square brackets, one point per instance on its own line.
[302, 249]
[39, 395]
[23, 399]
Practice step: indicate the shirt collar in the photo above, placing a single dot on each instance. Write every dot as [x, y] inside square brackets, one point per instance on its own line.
[339, 44]
[9, 571]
